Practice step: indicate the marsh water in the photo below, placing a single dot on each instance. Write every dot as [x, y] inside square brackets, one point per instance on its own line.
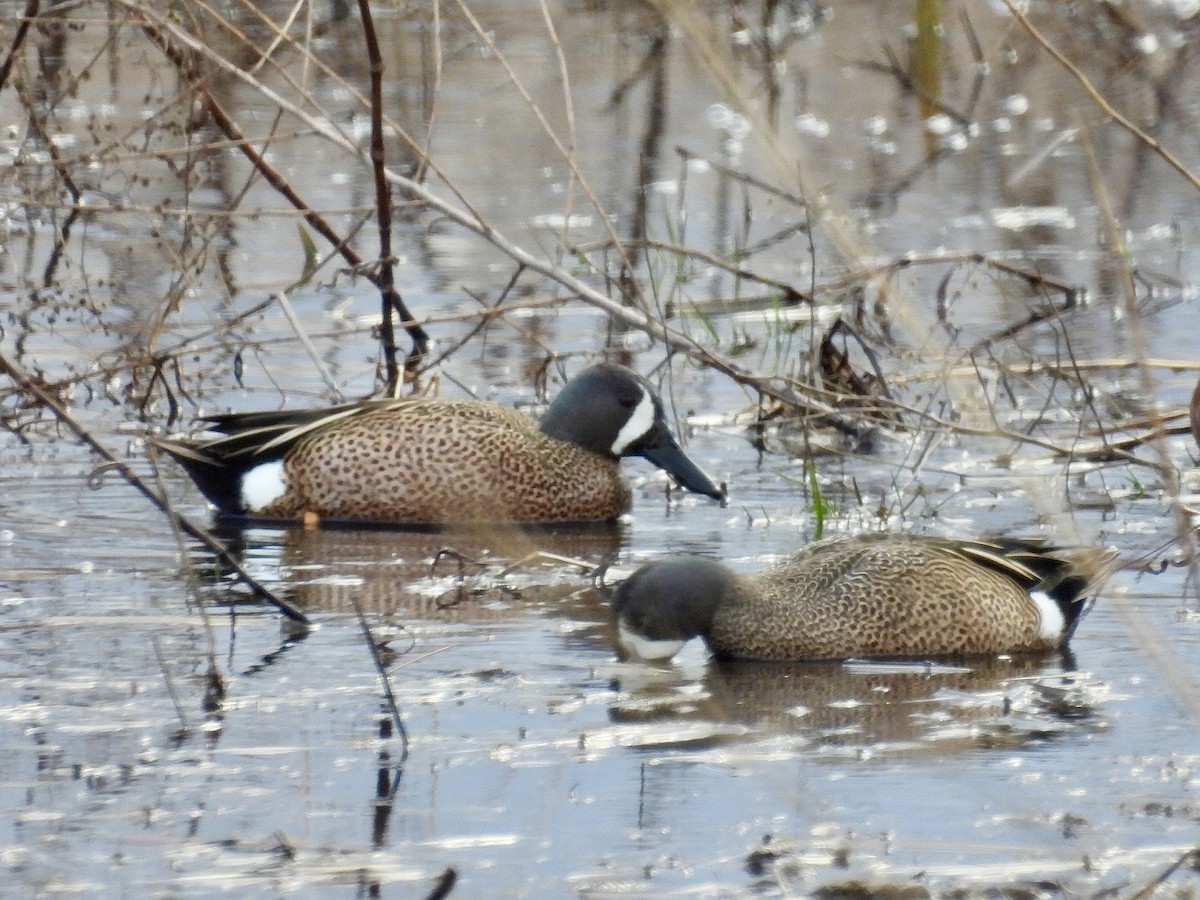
[533, 762]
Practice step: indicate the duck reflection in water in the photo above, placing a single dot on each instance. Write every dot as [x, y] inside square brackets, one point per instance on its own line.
[463, 574]
[860, 709]
[994, 611]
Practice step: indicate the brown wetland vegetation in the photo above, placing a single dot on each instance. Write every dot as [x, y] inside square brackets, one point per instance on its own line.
[926, 266]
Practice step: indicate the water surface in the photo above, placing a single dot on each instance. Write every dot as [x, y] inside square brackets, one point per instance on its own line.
[537, 763]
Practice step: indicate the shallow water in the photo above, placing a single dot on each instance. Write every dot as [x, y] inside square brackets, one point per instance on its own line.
[537, 763]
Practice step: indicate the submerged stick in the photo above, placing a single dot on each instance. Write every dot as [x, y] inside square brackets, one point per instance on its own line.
[388, 695]
[445, 884]
[170, 683]
[1190, 857]
[214, 546]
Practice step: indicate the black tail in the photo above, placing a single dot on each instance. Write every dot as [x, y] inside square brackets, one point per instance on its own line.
[251, 439]
[1071, 577]
[219, 479]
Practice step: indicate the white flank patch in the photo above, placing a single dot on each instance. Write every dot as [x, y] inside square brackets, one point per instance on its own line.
[1050, 618]
[646, 649]
[640, 421]
[263, 485]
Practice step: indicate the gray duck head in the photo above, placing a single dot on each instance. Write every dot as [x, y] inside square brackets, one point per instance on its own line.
[666, 603]
[611, 410]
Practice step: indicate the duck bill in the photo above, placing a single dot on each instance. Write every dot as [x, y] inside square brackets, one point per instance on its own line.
[664, 452]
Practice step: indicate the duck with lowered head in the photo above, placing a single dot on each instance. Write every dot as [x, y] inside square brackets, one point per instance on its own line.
[867, 596]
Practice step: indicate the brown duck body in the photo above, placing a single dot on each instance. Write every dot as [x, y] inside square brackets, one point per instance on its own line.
[432, 462]
[879, 596]
[462, 461]
[874, 595]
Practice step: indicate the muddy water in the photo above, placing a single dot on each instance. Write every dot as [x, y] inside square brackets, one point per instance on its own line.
[537, 764]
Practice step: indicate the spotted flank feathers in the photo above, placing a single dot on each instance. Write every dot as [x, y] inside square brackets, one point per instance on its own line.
[428, 462]
[870, 596]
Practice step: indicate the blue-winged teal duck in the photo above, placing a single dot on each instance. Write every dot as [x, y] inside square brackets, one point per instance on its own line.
[424, 462]
[874, 595]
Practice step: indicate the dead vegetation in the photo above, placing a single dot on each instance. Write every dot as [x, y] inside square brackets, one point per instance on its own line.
[838, 347]
[251, 83]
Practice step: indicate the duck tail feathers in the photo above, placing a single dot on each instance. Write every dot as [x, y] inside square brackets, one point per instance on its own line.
[1073, 578]
[214, 476]
[1070, 576]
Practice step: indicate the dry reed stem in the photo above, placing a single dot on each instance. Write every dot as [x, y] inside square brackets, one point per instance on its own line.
[711, 51]
[37, 392]
[784, 389]
[431, 119]
[1107, 108]
[1149, 642]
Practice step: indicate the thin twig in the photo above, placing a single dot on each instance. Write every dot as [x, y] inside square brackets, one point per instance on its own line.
[28, 384]
[383, 278]
[1097, 98]
[63, 233]
[27, 19]
[569, 158]
[307, 343]
[785, 390]
[237, 139]
[390, 298]
[569, 115]
[388, 695]
[790, 293]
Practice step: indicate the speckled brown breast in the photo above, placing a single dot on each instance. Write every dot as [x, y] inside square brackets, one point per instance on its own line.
[836, 599]
[439, 461]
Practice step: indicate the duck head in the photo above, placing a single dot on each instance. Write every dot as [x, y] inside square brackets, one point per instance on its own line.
[664, 604]
[611, 410]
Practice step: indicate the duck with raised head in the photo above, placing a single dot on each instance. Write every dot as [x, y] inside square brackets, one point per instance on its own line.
[866, 596]
[433, 461]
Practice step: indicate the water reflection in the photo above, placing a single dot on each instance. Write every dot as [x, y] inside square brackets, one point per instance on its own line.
[463, 575]
[100, 785]
[860, 710]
